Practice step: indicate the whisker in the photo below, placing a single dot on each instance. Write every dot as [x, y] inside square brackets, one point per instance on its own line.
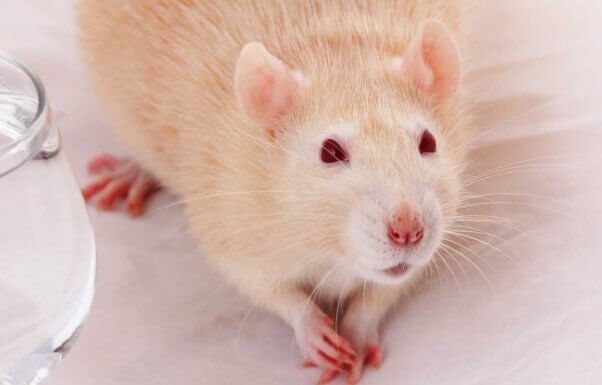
[536, 196]
[515, 170]
[476, 267]
[515, 118]
[492, 219]
[520, 204]
[431, 274]
[336, 315]
[457, 263]
[535, 159]
[520, 231]
[328, 273]
[494, 248]
[213, 195]
[464, 247]
[305, 241]
[440, 279]
[314, 291]
[244, 320]
[452, 273]
[527, 163]
[364, 296]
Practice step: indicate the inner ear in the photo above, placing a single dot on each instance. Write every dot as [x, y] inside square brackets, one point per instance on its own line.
[432, 60]
[265, 87]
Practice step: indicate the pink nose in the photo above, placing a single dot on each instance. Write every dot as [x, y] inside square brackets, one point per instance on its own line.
[405, 228]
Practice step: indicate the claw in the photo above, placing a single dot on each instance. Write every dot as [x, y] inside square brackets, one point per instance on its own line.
[327, 376]
[374, 356]
[103, 162]
[308, 364]
[120, 178]
[356, 371]
[334, 363]
[342, 346]
[92, 189]
[143, 187]
[116, 189]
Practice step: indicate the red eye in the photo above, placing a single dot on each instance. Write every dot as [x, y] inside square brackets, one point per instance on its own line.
[332, 152]
[428, 143]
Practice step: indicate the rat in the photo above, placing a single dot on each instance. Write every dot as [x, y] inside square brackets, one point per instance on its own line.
[318, 147]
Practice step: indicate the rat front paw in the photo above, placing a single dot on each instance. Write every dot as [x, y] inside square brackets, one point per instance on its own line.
[357, 348]
[321, 345]
[119, 178]
[371, 355]
[362, 330]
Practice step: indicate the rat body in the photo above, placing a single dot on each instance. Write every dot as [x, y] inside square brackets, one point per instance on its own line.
[318, 145]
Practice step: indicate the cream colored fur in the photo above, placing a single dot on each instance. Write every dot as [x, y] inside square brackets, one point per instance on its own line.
[265, 211]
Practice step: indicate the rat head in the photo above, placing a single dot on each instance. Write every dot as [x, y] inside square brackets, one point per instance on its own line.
[368, 160]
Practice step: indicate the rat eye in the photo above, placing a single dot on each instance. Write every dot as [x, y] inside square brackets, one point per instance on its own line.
[333, 152]
[428, 143]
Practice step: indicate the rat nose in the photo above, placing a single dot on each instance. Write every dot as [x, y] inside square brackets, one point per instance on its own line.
[405, 228]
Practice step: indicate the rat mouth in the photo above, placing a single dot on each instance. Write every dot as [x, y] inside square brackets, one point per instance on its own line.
[397, 270]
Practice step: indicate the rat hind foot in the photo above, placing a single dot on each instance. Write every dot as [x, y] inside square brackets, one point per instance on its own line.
[119, 178]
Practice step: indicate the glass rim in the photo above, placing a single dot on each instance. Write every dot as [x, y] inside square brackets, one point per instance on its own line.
[37, 124]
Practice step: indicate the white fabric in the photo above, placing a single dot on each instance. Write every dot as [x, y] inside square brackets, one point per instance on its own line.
[162, 316]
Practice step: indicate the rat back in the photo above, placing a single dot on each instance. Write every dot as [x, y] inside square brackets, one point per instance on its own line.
[164, 72]
[163, 69]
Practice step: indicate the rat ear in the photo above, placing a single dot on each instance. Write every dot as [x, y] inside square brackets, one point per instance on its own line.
[432, 60]
[265, 87]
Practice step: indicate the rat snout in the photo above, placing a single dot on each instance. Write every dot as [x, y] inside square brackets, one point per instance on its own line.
[405, 227]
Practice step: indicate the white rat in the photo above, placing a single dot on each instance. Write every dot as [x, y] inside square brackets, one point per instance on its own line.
[318, 146]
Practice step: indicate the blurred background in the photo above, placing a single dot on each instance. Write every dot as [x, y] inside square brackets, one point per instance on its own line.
[524, 307]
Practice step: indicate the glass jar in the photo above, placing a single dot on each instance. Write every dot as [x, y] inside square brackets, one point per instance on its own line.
[47, 250]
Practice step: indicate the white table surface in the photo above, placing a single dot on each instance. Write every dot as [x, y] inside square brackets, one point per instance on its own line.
[162, 316]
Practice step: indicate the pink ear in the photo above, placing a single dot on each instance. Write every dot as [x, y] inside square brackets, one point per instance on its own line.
[432, 60]
[265, 87]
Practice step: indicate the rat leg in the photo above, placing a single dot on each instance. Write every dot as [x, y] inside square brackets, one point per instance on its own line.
[361, 323]
[320, 343]
[315, 332]
[119, 178]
